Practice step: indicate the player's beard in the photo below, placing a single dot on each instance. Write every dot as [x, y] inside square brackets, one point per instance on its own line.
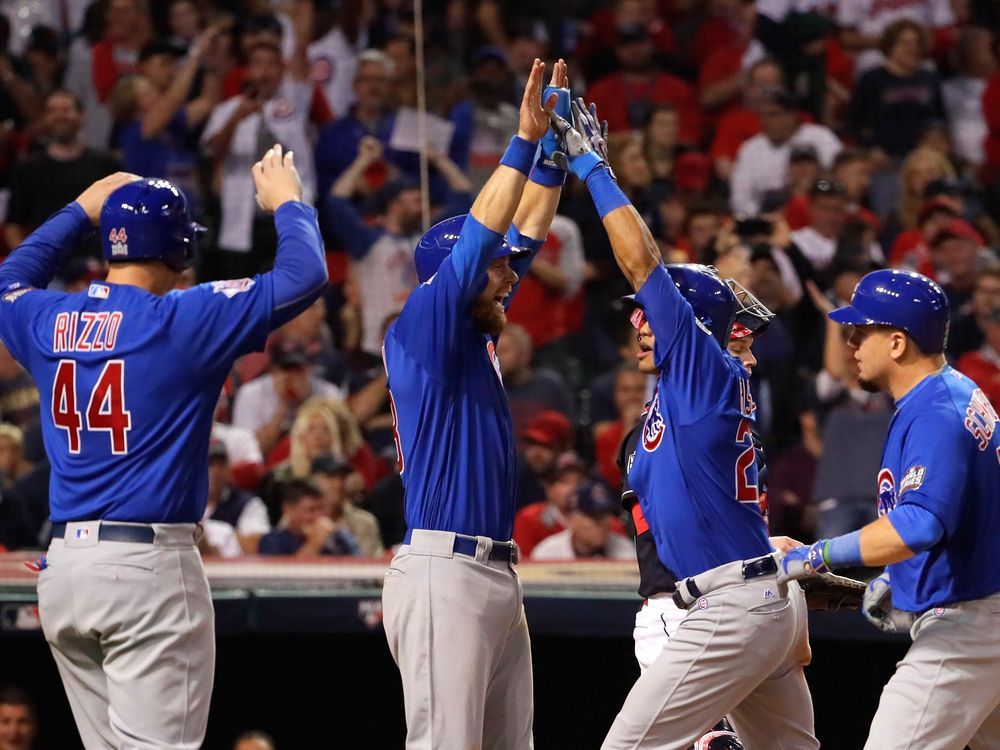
[487, 318]
[868, 386]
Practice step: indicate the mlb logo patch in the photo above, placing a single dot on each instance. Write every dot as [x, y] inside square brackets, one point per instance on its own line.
[82, 533]
[912, 479]
[98, 291]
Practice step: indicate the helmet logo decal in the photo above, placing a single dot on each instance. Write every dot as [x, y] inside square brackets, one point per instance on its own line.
[654, 427]
[118, 240]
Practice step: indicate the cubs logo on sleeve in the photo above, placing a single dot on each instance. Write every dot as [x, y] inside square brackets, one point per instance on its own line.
[886, 492]
[654, 427]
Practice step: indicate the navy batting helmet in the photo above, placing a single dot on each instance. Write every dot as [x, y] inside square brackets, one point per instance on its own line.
[901, 299]
[148, 220]
[438, 242]
[712, 300]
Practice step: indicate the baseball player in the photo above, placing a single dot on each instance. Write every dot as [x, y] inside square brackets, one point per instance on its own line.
[131, 372]
[741, 647]
[939, 507]
[452, 605]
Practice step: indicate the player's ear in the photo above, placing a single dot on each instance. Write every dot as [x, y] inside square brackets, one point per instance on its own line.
[898, 345]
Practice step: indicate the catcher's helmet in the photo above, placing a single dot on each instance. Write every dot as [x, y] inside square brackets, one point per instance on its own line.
[148, 220]
[901, 299]
[438, 242]
[752, 315]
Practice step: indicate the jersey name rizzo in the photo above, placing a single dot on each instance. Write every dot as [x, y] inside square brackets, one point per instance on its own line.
[86, 331]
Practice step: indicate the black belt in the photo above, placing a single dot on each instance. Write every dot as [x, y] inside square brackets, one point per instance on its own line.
[112, 532]
[761, 566]
[503, 551]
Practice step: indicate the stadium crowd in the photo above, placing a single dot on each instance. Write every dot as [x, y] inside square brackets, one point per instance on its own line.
[794, 144]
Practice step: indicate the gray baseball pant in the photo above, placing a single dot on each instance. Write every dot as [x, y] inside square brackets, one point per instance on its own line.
[456, 629]
[945, 693]
[132, 630]
[739, 652]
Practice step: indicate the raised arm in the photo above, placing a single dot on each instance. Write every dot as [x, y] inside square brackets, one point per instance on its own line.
[299, 274]
[636, 252]
[36, 260]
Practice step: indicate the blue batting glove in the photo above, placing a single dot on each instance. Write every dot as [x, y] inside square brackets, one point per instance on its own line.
[547, 171]
[576, 152]
[803, 561]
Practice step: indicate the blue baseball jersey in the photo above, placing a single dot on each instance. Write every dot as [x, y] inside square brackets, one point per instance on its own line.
[694, 470]
[454, 432]
[943, 454]
[129, 381]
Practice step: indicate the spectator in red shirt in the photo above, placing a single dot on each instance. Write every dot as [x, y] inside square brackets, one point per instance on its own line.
[968, 332]
[701, 224]
[660, 140]
[912, 248]
[740, 123]
[630, 399]
[624, 98]
[721, 75]
[547, 436]
[596, 51]
[542, 519]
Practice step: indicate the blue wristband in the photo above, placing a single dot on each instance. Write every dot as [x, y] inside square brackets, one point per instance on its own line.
[547, 176]
[520, 155]
[844, 551]
[605, 192]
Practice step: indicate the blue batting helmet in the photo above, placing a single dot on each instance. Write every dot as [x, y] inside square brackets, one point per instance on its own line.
[901, 299]
[438, 242]
[148, 220]
[714, 303]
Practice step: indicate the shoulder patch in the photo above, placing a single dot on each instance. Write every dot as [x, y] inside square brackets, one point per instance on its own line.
[912, 479]
[232, 287]
[98, 291]
[15, 291]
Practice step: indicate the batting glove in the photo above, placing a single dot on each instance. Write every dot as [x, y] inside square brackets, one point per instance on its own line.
[878, 610]
[547, 171]
[596, 131]
[803, 561]
[576, 153]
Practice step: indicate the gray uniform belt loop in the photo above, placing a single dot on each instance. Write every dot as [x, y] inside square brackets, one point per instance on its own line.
[689, 590]
[111, 532]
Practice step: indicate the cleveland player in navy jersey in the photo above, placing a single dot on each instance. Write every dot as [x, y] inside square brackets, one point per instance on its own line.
[741, 647]
[939, 526]
[452, 604]
[130, 373]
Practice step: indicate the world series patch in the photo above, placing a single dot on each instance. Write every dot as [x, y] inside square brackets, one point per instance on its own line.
[913, 478]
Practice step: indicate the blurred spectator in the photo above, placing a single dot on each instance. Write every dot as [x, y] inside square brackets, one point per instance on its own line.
[975, 62]
[912, 248]
[385, 502]
[960, 258]
[863, 24]
[241, 510]
[589, 534]
[273, 108]
[597, 49]
[382, 255]
[13, 464]
[545, 438]
[624, 98]
[967, 329]
[894, 103]
[268, 405]
[18, 720]
[339, 142]
[818, 240]
[804, 170]
[628, 160]
[762, 160]
[720, 77]
[305, 530]
[844, 428]
[329, 473]
[545, 517]
[43, 184]
[983, 365]
[530, 390]
[18, 395]
[740, 122]
[43, 57]
[96, 65]
[333, 57]
[185, 21]
[852, 169]
[630, 399]
[494, 116]
[159, 117]
[549, 302]
[702, 223]
[920, 168]
[660, 140]
[254, 740]
[218, 539]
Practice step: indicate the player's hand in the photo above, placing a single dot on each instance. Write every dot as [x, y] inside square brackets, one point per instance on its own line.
[534, 117]
[802, 561]
[878, 610]
[576, 153]
[276, 179]
[785, 543]
[558, 87]
[92, 199]
[590, 127]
